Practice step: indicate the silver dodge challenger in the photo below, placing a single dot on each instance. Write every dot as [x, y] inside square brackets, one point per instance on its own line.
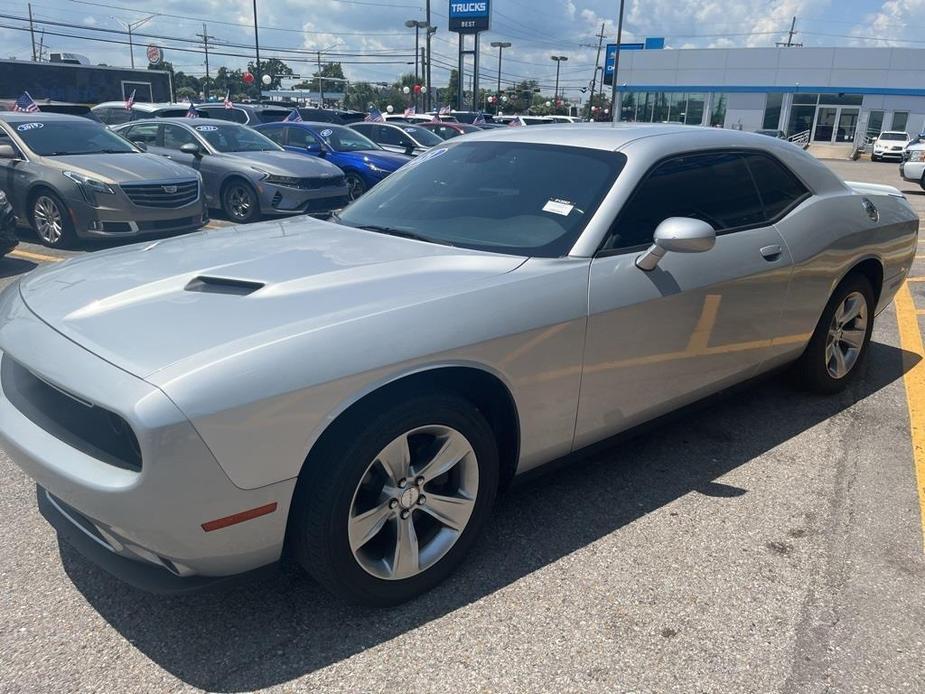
[354, 393]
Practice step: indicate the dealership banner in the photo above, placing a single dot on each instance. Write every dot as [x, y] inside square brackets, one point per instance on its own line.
[470, 16]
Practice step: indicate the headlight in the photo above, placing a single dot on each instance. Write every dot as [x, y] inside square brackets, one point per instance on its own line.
[377, 169]
[263, 174]
[287, 181]
[90, 184]
[917, 155]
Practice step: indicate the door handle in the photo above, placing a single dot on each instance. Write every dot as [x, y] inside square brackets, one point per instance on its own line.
[772, 252]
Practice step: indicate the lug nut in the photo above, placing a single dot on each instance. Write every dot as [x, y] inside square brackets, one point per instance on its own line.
[393, 503]
[405, 514]
[421, 500]
[419, 481]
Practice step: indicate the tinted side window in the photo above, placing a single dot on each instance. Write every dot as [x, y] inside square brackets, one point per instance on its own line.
[175, 136]
[365, 129]
[780, 190]
[275, 134]
[235, 115]
[301, 137]
[387, 135]
[145, 132]
[714, 187]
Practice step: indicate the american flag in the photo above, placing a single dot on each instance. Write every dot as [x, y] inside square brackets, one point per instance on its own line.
[479, 119]
[374, 115]
[191, 112]
[514, 123]
[130, 101]
[293, 117]
[25, 104]
[445, 111]
[435, 119]
[410, 111]
[228, 103]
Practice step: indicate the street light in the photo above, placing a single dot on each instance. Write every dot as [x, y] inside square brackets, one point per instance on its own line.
[615, 115]
[417, 25]
[558, 59]
[131, 26]
[256, 48]
[500, 45]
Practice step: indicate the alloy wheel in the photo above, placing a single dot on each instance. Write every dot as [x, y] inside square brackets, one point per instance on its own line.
[355, 187]
[846, 336]
[240, 202]
[413, 502]
[49, 223]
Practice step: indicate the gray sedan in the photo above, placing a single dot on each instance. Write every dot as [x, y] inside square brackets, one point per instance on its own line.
[244, 173]
[71, 177]
[357, 393]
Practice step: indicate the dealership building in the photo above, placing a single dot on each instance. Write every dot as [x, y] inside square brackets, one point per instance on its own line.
[826, 95]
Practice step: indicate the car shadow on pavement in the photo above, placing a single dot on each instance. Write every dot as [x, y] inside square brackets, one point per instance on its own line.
[10, 267]
[275, 630]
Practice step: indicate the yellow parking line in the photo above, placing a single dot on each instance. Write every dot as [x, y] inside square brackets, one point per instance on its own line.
[915, 279]
[910, 339]
[41, 257]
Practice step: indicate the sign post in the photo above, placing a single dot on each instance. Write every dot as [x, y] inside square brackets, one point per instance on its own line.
[469, 17]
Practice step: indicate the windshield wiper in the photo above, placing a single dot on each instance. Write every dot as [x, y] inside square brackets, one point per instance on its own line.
[402, 234]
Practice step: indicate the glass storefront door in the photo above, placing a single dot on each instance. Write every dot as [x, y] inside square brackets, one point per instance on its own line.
[835, 124]
[847, 124]
[824, 128]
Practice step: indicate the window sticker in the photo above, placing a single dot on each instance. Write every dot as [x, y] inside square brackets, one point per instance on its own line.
[556, 206]
[23, 127]
[206, 128]
[327, 132]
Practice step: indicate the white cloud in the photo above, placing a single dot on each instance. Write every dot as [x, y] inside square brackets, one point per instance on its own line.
[896, 19]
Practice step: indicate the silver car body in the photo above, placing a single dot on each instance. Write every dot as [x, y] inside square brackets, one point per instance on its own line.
[317, 316]
[322, 185]
[151, 195]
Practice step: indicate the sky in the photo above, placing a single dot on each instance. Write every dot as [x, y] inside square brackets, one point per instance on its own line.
[371, 41]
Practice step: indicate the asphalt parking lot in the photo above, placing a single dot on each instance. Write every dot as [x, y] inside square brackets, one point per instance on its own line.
[770, 541]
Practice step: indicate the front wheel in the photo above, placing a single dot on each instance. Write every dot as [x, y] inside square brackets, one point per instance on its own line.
[356, 186]
[51, 220]
[381, 517]
[239, 202]
[840, 342]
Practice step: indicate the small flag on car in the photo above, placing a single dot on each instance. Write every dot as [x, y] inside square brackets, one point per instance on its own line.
[410, 111]
[25, 104]
[446, 110]
[479, 119]
[228, 103]
[191, 112]
[293, 117]
[130, 101]
[374, 116]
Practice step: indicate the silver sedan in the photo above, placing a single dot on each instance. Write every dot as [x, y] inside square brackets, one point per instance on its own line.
[356, 392]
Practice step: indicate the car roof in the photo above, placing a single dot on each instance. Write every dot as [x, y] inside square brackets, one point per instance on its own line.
[182, 120]
[145, 105]
[19, 117]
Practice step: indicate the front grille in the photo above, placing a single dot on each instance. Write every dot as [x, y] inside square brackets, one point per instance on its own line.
[162, 224]
[163, 195]
[95, 431]
[308, 183]
[326, 204]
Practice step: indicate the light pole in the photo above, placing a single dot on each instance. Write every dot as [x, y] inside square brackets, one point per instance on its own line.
[130, 27]
[256, 47]
[614, 113]
[417, 25]
[559, 59]
[500, 45]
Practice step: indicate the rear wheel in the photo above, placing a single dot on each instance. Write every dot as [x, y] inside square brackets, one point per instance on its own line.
[382, 516]
[51, 221]
[840, 342]
[239, 201]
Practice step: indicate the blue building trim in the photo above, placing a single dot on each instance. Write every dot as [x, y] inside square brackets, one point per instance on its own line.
[793, 89]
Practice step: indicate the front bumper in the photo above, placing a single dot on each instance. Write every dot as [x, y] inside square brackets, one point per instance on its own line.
[148, 520]
[117, 217]
[888, 153]
[276, 199]
[912, 170]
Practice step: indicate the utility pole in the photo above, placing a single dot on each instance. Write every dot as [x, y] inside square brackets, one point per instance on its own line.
[614, 111]
[320, 83]
[205, 42]
[32, 32]
[430, 31]
[257, 50]
[790, 43]
[597, 62]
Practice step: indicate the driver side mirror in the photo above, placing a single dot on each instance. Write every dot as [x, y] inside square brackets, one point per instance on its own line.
[677, 235]
[316, 148]
[8, 152]
[409, 148]
[143, 146]
[191, 148]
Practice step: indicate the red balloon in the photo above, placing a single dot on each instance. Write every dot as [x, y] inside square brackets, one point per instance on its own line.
[248, 78]
[417, 89]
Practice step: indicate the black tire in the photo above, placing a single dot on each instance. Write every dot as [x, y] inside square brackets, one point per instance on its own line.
[812, 370]
[322, 504]
[239, 201]
[874, 157]
[356, 186]
[44, 206]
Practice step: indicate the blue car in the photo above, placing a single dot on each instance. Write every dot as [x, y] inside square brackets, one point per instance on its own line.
[363, 161]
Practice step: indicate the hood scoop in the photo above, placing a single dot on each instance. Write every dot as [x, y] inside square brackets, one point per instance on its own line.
[222, 285]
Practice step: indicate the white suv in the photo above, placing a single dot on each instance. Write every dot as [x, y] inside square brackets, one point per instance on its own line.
[913, 166]
[890, 144]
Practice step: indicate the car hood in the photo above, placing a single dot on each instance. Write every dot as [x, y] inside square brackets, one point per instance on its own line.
[214, 294]
[284, 163]
[121, 168]
[384, 160]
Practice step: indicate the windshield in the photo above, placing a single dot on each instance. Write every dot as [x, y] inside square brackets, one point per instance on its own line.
[422, 135]
[508, 197]
[897, 137]
[58, 138]
[535, 121]
[229, 137]
[342, 139]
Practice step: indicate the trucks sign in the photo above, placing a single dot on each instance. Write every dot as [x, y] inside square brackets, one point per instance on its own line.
[470, 16]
